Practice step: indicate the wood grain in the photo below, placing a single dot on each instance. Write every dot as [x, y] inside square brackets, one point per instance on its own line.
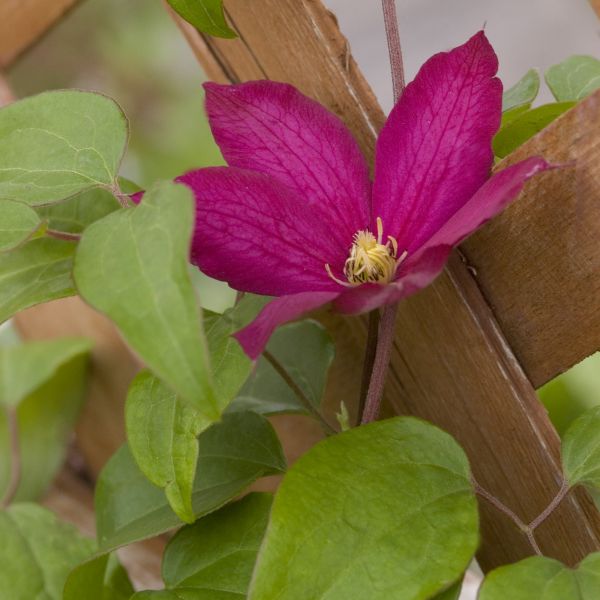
[538, 263]
[451, 363]
[23, 22]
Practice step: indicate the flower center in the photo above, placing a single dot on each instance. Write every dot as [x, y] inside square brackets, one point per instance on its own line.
[370, 261]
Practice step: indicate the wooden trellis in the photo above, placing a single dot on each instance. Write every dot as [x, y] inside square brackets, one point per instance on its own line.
[471, 349]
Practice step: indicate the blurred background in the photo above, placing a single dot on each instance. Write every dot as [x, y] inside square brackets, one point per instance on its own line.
[133, 52]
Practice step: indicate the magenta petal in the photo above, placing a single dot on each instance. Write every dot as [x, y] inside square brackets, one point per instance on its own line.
[427, 263]
[272, 128]
[257, 235]
[491, 199]
[435, 149]
[254, 337]
[370, 296]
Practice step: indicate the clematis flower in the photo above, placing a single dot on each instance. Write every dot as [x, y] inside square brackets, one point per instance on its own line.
[295, 214]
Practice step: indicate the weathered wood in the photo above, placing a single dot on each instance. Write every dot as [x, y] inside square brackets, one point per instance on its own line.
[451, 363]
[22, 22]
[538, 263]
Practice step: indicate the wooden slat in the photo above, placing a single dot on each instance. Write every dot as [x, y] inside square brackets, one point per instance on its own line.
[22, 22]
[539, 262]
[451, 363]
[596, 6]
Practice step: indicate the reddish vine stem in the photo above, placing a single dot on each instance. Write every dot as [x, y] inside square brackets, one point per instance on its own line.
[564, 490]
[383, 353]
[369, 359]
[15, 458]
[527, 529]
[394, 47]
[381, 331]
[63, 235]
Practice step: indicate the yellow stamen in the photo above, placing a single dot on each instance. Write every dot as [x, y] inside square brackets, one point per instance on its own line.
[370, 261]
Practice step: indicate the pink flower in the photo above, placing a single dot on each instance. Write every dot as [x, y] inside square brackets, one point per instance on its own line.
[295, 214]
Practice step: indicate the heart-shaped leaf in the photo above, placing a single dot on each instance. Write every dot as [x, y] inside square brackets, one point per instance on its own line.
[59, 143]
[133, 267]
[38, 271]
[541, 578]
[574, 78]
[18, 222]
[231, 454]
[162, 431]
[385, 511]
[214, 558]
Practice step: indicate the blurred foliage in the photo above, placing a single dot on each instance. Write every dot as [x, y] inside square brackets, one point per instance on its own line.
[134, 52]
[573, 392]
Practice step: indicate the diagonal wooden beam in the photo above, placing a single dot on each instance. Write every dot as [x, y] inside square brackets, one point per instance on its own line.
[23, 22]
[451, 363]
[538, 263]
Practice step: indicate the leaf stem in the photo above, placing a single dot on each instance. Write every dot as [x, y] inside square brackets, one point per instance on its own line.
[306, 403]
[562, 492]
[15, 458]
[528, 530]
[394, 46]
[124, 199]
[385, 341]
[63, 235]
[369, 360]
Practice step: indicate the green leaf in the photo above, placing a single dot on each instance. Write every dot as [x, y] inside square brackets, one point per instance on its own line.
[232, 454]
[230, 365]
[574, 78]
[452, 593]
[57, 144]
[214, 558]
[132, 266]
[37, 553]
[581, 450]
[513, 113]
[205, 15]
[18, 222]
[102, 578]
[47, 380]
[162, 428]
[37, 272]
[306, 351]
[25, 367]
[162, 431]
[541, 578]
[390, 502]
[523, 92]
[75, 214]
[525, 126]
